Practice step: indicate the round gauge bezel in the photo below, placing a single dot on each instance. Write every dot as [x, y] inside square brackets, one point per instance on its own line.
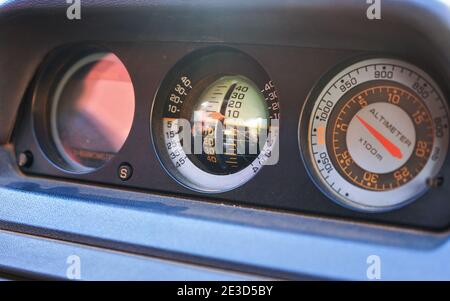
[368, 201]
[46, 84]
[203, 67]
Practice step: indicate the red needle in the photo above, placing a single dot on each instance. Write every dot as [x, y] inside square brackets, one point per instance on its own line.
[216, 116]
[391, 148]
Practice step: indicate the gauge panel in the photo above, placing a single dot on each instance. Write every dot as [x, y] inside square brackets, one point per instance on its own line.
[377, 132]
[143, 162]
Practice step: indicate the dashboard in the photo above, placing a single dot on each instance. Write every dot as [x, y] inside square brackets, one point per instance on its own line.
[225, 140]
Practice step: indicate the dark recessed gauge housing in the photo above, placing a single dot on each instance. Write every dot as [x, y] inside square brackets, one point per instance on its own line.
[83, 108]
[207, 86]
[215, 120]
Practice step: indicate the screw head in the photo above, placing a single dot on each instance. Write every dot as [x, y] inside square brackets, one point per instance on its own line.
[25, 159]
[435, 182]
[125, 171]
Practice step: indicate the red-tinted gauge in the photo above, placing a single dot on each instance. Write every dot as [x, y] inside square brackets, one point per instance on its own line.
[92, 111]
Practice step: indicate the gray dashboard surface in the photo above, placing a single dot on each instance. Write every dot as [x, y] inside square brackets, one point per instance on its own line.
[264, 243]
[132, 235]
[19, 257]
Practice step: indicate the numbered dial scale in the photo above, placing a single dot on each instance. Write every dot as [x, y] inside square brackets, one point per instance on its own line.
[215, 120]
[375, 134]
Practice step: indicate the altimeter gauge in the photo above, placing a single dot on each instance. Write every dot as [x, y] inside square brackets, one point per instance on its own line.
[375, 134]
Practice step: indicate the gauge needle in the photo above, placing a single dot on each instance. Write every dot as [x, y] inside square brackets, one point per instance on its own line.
[216, 116]
[388, 145]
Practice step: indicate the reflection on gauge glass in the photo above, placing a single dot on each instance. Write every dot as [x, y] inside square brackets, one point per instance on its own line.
[218, 121]
[375, 134]
[92, 111]
[236, 102]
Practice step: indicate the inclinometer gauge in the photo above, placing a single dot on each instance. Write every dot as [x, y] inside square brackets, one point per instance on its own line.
[215, 120]
[374, 134]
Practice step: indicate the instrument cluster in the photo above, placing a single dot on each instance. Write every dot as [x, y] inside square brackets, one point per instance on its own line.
[371, 135]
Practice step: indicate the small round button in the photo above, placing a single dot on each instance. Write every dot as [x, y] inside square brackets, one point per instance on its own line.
[125, 171]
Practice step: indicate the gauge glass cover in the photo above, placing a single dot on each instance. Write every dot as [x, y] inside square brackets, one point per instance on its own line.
[92, 111]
